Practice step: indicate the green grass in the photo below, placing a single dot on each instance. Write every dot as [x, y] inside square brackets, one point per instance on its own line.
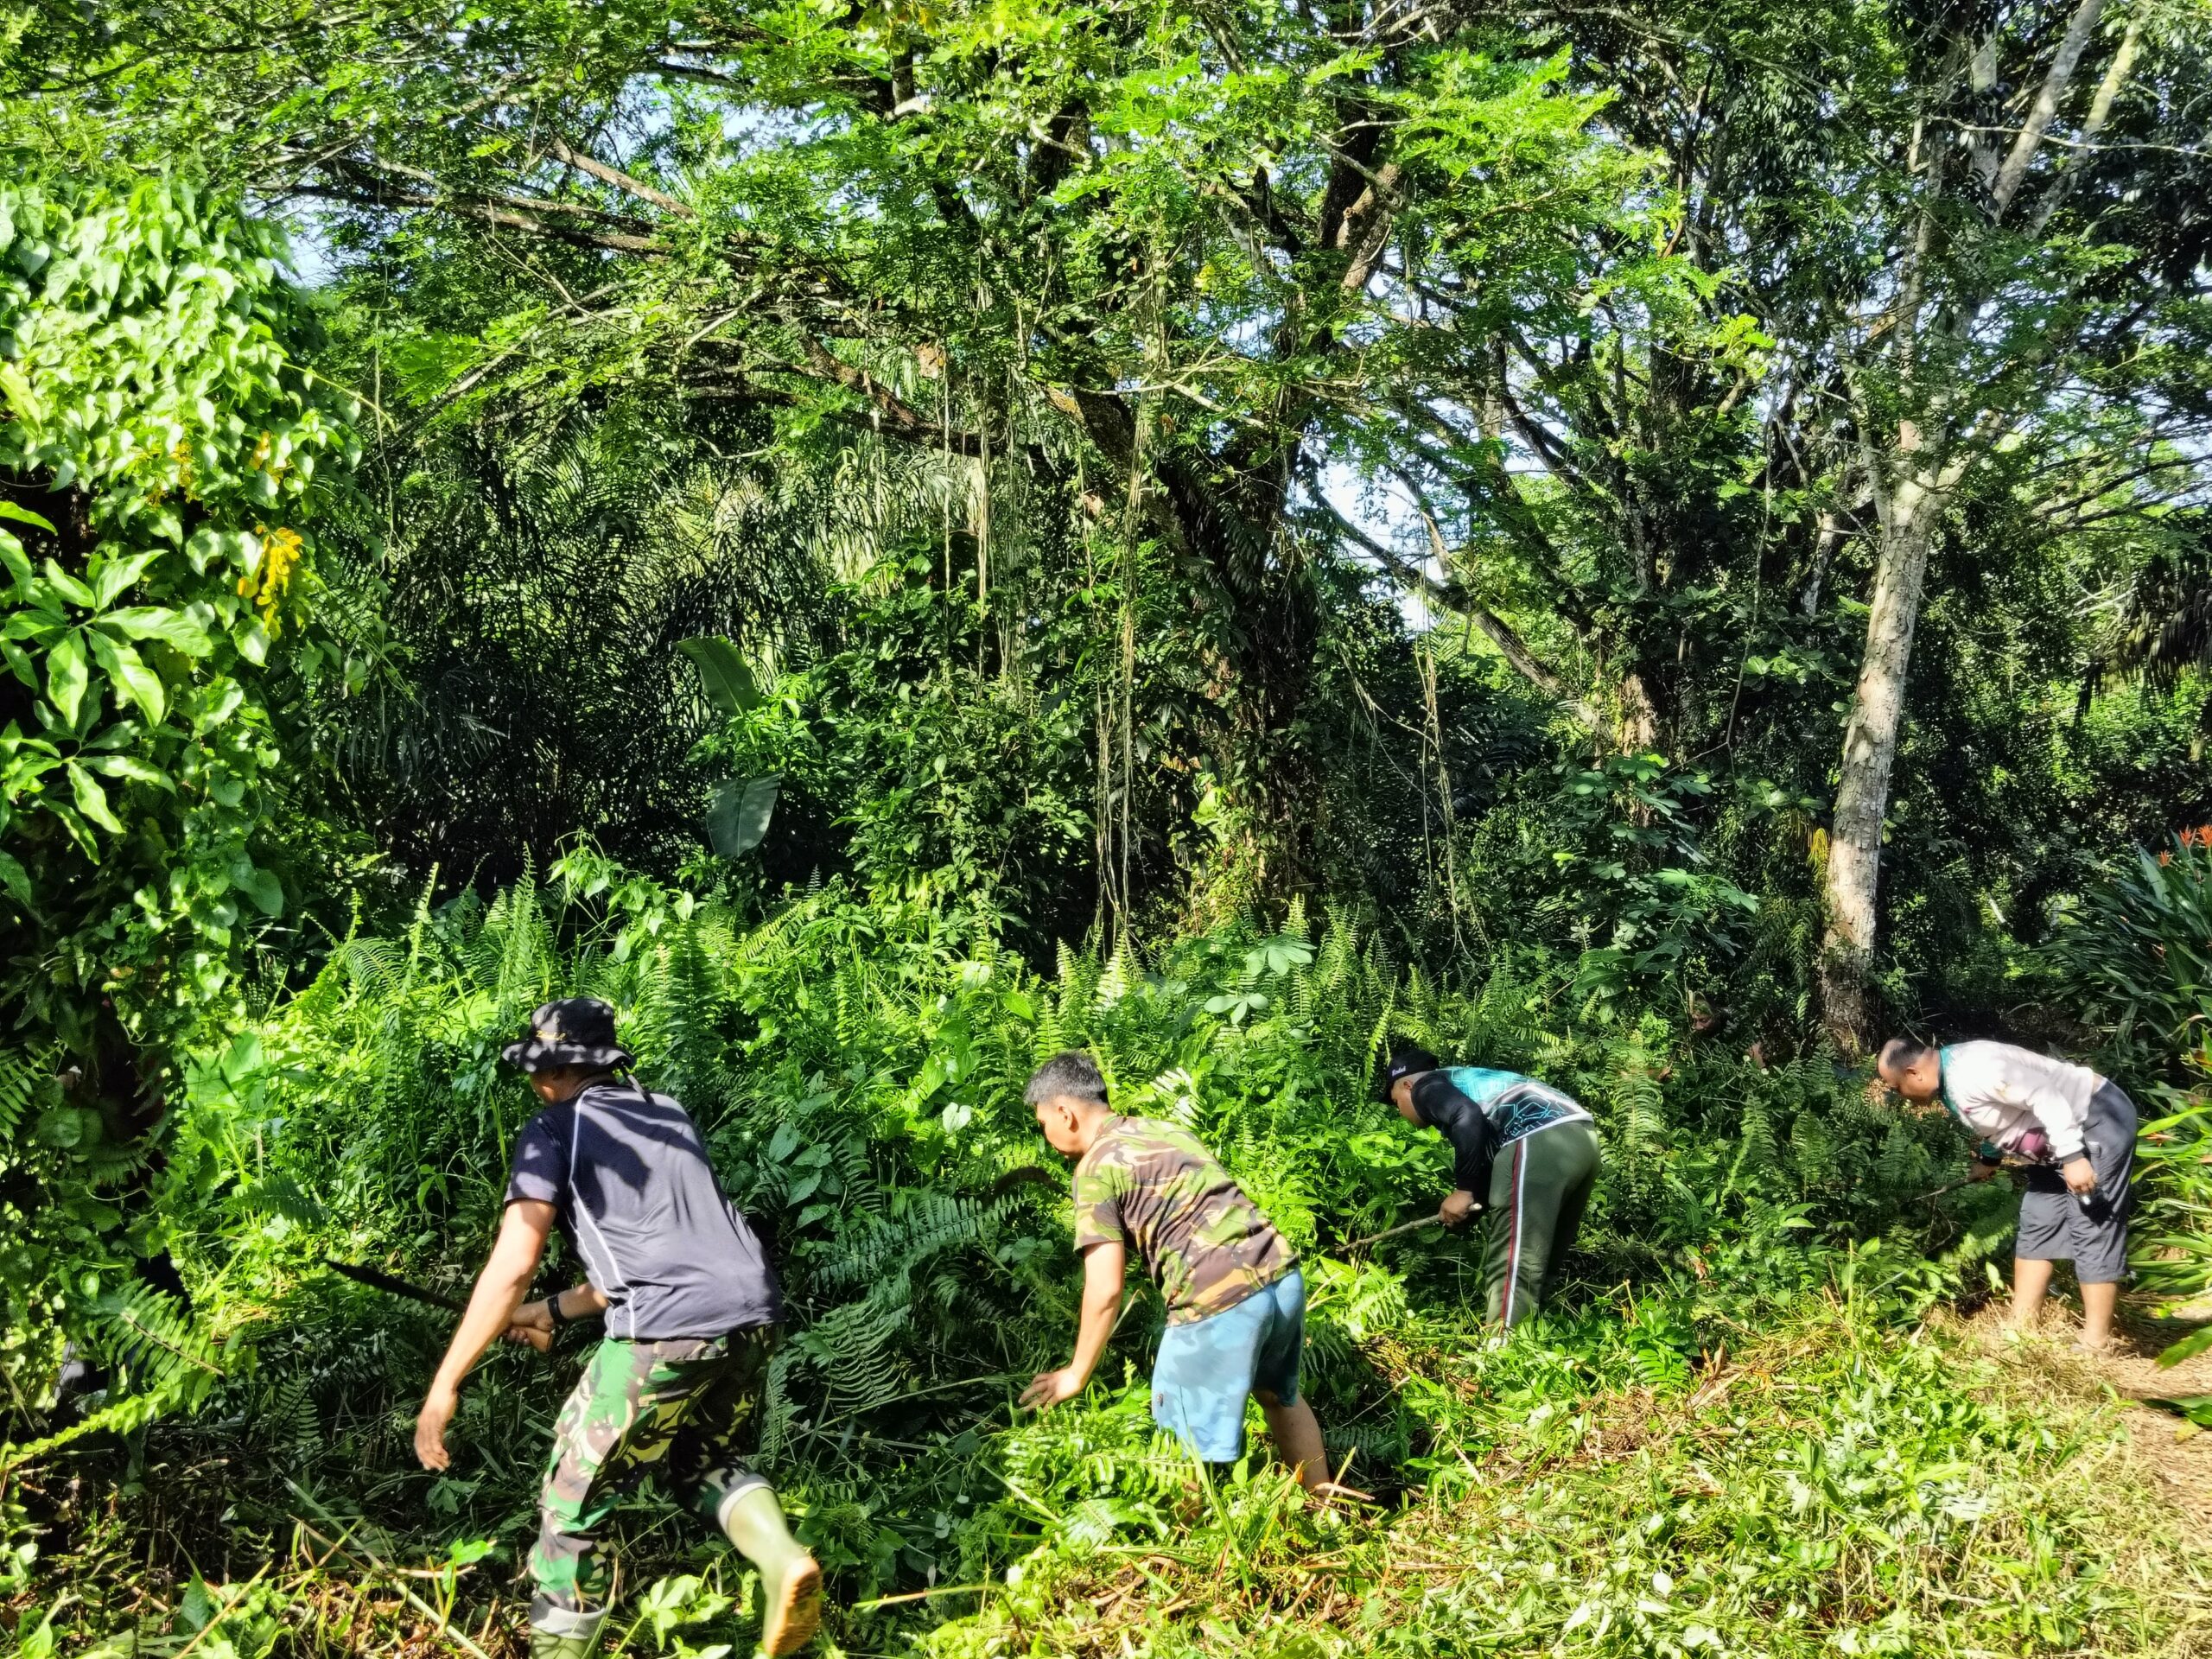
[1840, 1485]
[1843, 1483]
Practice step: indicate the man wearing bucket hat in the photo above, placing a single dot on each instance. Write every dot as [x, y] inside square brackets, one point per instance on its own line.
[1518, 1146]
[691, 1307]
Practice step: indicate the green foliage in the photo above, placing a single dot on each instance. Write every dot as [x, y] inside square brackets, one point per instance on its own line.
[2135, 959]
[2137, 952]
[881, 475]
[160, 448]
[1739, 1309]
[1829, 1488]
[158, 423]
[900, 762]
[1631, 873]
[856, 1068]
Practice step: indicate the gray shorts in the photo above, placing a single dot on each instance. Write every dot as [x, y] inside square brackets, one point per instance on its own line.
[2055, 1226]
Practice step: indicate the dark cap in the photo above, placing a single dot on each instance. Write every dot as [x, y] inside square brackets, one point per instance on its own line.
[1406, 1060]
[574, 1031]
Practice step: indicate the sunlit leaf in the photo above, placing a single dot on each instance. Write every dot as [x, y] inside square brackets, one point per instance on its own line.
[68, 587]
[129, 767]
[724, 672]
[2188, 1348]
[92, 800]
[67, 677]
[25, 516]
[149, 622]
[131, 678]
[111, 578]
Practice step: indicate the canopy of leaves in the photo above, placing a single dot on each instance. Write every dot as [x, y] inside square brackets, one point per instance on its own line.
[159, 453]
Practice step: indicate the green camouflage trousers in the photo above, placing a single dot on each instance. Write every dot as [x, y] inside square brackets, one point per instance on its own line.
[673, 1409]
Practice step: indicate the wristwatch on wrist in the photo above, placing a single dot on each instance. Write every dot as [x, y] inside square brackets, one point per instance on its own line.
[553, 1311]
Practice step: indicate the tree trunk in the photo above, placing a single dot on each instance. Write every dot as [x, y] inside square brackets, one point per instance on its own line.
[1870, 748]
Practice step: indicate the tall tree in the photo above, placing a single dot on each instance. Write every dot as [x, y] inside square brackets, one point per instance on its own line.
[1919, 241]
[1162, 254]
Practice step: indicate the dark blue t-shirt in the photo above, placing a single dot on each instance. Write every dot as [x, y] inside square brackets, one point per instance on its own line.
[628, 1179]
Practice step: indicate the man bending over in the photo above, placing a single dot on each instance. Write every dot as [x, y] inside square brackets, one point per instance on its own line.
[1522, 1147]
[1236, 1300]
[2075, 1131]
[691, 1307]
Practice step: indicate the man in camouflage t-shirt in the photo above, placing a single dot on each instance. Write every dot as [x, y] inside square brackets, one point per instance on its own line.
[1201, 1239]
[1236, 1300]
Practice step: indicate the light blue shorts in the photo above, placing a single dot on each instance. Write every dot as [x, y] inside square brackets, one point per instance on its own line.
[1208, 1368]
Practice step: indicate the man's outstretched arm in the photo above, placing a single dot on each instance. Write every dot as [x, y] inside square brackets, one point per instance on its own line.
[1103, 1268]
[499, 1290]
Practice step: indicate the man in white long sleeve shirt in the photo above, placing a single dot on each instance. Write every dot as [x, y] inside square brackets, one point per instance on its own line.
[2075, 1133]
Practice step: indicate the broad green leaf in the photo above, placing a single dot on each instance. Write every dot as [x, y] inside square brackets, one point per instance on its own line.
[25, 516]
[2197, 1408]
[258, 885]
[68, 587]
[111, 578]
[80, 831]
[152, 622]
[15, 878]
[131, 678]
[253, 640]
[723, 671]
[34, 625]
[19, 663]
[15, 387]
[66, 677]
[91, 799]
[2188, 1347]
[738, 820]
[129, 767]
[13, 559]
[62, 1127]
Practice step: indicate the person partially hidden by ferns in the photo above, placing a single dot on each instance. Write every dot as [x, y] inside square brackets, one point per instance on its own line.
[1520, 1148]
[2075, 1133]
[691, 1310]
[1236, 1299]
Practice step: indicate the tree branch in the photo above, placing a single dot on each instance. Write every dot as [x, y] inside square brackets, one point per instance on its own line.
[489, 213]
[1517, 652]
[2055, 83]
[2116, 72]
[621, 181]
[904, 420]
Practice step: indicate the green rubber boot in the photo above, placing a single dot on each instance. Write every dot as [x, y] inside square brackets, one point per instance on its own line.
[791, 1583]
[545, 1644]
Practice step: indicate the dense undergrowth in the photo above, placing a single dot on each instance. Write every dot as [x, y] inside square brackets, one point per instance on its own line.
[1751, 1276]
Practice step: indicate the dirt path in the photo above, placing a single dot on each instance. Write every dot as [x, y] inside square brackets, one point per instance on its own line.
[2178, 1453]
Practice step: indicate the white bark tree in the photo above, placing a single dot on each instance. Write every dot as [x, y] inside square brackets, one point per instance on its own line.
[1981, 317]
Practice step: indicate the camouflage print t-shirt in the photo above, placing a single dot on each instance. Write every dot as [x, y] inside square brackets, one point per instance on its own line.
[1205, 1243]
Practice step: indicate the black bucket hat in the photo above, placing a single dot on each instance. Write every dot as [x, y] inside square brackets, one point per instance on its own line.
[1406, 1060]
[574, 1031]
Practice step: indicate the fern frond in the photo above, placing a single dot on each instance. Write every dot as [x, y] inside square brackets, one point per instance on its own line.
[933, 1222]
[153, 1338]
[851, 1347]
[132, 1412]
[21, 1073]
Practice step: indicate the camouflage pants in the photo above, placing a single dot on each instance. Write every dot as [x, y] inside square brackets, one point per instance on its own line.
[673, 1409]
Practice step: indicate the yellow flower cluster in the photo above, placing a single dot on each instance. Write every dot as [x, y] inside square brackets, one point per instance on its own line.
[281, 549]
